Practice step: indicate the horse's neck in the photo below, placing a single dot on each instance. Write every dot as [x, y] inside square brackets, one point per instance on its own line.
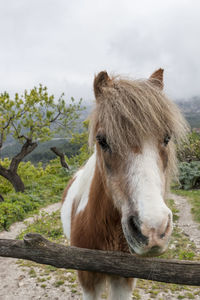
[104, 216]
[96, 223]
[100, 203]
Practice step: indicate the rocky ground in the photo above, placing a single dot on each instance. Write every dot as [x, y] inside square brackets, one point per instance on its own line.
[185, 221]
[26, 280]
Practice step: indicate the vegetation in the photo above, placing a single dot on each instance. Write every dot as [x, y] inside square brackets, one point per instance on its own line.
[189, 162]
[189, 175]
[190, 150]
[33, 117]
[43, 186]
[43, 225]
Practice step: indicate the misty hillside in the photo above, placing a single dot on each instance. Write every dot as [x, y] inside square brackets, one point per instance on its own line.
[190, 105]
[191, 109]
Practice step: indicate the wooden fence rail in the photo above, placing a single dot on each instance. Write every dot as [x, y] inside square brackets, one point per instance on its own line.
[36, 248]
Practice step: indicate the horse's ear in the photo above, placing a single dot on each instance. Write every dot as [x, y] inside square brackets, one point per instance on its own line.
[157, 78]
[100, 81]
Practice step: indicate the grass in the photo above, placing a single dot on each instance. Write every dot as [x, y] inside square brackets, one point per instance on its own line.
[180, 248]
[47, 225]
[194, 198]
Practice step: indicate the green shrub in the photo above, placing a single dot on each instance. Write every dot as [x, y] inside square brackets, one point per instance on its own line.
[5, 185]
[15, 208]
[79, 159]
[43, 187]
[190, 150]
[27, 202]
[9, 213]
[189, 175]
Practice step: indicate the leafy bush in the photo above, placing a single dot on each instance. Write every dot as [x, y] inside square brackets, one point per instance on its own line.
[15, 208]
[9, 213]
[25, 201]
[189, 176]
[79, 159]
[44, 186]
[190, 150]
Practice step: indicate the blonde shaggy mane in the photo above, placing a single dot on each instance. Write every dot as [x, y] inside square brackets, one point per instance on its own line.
[128, 112]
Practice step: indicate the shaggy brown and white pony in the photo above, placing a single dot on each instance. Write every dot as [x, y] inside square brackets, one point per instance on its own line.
[117, 200]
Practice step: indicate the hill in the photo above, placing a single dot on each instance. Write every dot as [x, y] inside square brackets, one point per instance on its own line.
[191, 109]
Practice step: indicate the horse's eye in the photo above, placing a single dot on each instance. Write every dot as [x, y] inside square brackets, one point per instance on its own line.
[101, 139]
[166, 140]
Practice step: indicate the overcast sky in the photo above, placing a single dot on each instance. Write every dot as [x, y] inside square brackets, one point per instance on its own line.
[63, 43]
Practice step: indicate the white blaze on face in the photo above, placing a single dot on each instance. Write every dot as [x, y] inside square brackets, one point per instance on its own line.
[147, 183]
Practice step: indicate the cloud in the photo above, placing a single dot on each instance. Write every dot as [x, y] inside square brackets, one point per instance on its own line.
[62, 44]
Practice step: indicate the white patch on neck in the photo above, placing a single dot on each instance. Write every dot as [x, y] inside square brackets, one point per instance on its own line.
[78, 191]
[147, 186]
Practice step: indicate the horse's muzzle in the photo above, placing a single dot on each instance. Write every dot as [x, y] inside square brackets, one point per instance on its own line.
[144, 240]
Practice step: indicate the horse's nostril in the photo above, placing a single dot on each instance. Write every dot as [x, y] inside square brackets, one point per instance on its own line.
[134, 227]
[162, 235]
[134, 223]
[155, 249]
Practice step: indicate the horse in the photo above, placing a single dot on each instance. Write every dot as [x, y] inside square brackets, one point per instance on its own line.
[117, 200]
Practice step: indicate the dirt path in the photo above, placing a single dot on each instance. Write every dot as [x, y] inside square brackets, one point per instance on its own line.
[16, 283]
[185, 221]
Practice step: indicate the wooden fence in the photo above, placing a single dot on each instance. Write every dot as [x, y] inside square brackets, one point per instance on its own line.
[36, 248]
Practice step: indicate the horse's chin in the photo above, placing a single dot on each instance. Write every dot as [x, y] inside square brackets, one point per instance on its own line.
[143, 252]
[132, 251]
